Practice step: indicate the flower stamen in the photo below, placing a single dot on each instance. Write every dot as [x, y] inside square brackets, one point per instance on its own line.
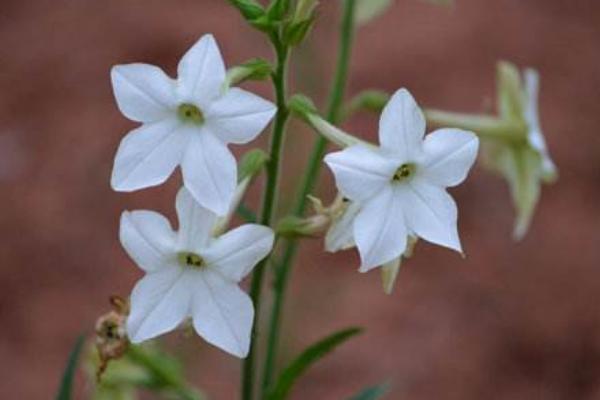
[190, 113]
[404, 172]
[189, 259]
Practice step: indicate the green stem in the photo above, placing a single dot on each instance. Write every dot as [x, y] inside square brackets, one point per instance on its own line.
[333, 113]
[279, 79]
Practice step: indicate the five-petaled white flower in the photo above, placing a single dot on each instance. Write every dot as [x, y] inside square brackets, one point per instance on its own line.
[191, 274]
[400, 186]
[187, 122]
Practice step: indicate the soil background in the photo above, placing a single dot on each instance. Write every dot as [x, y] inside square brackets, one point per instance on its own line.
[511, 321]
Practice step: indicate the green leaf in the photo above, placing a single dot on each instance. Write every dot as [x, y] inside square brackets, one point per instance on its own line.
[66, 384]
[366, 10]
[142, 366]
[311, 355]
[372, 392]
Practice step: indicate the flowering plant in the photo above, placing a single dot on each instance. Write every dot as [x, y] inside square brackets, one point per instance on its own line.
[390, 194]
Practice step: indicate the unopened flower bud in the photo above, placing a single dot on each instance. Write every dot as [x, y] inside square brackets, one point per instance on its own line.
[256, 69]
[305, 109]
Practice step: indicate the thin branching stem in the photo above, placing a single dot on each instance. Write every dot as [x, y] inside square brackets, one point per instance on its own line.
[283, 269]
[279, 79]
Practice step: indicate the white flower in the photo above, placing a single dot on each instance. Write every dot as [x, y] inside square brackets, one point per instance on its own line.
[191, 274]
[187, 122]
[400, 186]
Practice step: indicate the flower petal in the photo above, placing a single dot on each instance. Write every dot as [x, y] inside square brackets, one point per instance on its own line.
[210, 172]
[360, 172]
[147, 237]
[235, 253]
[148, 155]
[195, 222]
[340, 235]
[402, 126]
[431, 213]
[159, 303]
[223, 314]
[380, 230]
[201, 72]
[535, 135]
[144, 93]
[449, 154]
[239, 116]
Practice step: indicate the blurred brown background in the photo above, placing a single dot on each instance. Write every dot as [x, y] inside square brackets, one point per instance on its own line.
[511, 321]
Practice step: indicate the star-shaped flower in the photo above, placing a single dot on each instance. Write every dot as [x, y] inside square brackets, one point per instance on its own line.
[191, 274]
[399, 187]
[187, 122]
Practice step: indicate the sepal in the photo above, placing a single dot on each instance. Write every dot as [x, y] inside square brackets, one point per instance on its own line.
[250, 10]
[298, 28]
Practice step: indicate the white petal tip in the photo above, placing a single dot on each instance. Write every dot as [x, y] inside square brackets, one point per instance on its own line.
[240, 354]
[118, 186]
[519, 233]
[134, 337]
[364, 268]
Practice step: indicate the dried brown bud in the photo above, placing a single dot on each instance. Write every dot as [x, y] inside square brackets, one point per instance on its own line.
[111, 337]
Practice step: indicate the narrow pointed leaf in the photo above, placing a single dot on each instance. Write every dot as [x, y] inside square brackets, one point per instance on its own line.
[66, 384]
[311, 355]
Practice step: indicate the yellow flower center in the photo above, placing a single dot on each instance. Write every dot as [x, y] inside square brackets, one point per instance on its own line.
[404, 172]
[190, 113]
[189, 259]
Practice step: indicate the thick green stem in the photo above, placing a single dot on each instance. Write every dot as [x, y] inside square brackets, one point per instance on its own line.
[283, 269]
[268, 203]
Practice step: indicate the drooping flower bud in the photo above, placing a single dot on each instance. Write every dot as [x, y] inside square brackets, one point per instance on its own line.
[304, 108]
